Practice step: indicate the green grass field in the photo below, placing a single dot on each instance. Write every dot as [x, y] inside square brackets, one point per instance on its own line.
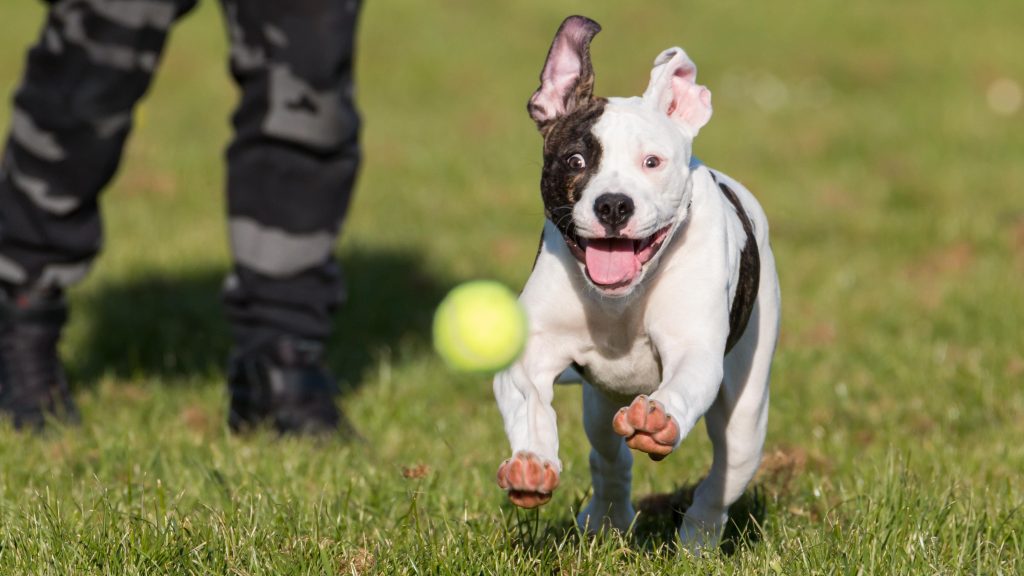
[879, 137]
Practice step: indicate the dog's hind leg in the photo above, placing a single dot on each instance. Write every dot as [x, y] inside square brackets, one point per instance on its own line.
[736, 423]
[611, 466]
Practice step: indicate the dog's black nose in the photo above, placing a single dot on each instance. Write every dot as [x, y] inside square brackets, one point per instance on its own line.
[613, 210]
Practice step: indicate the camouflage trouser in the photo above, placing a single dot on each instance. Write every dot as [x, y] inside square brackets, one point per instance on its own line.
[291, 164]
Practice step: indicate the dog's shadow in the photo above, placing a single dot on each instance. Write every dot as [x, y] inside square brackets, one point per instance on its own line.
[657, 524]
[661, 515]
[171, 326]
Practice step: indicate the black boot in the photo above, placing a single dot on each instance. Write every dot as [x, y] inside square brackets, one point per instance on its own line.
[282, 381]
[32, 382]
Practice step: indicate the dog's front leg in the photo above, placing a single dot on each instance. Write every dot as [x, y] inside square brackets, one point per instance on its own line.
[656, 424]
[524, 393]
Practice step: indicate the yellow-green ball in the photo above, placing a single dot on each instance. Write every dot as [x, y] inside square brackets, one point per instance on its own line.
[479, 327]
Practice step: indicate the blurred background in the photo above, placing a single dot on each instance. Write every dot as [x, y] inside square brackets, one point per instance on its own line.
[885, 141]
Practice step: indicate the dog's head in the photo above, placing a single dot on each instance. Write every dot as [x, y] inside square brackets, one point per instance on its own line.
[616, 177]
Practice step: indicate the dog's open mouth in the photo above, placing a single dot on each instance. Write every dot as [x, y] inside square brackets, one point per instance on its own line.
[615, 262]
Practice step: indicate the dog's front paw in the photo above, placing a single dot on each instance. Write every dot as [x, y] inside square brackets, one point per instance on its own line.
[528, 479]
[647, 427]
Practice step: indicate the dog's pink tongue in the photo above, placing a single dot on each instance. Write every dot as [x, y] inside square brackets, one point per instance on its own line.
[611, 260]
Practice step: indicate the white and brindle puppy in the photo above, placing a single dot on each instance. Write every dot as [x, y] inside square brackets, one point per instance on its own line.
[654, 280]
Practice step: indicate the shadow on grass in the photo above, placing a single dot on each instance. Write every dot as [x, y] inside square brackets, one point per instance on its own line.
[173, 325]
[656, 528]
[661, 515]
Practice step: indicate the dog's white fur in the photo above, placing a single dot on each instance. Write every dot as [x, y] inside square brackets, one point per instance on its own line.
[665, 335]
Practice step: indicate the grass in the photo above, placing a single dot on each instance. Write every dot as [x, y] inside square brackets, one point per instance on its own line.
[894, 192]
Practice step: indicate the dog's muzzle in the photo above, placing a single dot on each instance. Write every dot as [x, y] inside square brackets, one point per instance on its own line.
[615, 262]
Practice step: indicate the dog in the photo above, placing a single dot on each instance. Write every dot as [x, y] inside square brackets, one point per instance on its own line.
[654, 281]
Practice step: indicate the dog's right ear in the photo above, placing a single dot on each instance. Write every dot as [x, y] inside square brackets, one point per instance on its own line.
[567, 80]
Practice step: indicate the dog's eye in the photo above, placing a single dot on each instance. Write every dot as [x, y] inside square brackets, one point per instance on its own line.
[652, 162]
[576, 162]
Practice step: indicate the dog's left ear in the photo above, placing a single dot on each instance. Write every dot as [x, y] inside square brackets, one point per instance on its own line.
[674, 91]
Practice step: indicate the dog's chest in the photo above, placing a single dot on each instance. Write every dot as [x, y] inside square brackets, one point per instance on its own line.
[621, 360]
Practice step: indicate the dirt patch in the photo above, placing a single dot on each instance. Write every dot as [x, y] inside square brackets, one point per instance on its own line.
[357, 562]
[783, 465]
[1015, 367]
[934, 270]
[922, 424]
[507, 250]
[1017, 240]
[415, 472]
[779, 467]
[946, 261]
[147, 180]
[196, 418]
[822, 334]
[129, 393]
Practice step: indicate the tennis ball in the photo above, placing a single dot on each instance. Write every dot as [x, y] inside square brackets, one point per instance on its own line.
[479, 327]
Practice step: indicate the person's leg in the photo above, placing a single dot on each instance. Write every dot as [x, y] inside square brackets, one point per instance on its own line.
[291, 169]
[71, 117]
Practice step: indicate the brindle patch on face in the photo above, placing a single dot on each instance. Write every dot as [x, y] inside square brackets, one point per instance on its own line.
[561, 186]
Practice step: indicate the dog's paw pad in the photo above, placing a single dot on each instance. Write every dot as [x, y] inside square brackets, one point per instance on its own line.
[528, 479]
[647, 427]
